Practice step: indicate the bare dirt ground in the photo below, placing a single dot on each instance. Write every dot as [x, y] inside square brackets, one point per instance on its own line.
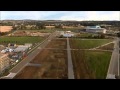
[53, 64]
[23, 74]
[5, 28]
[19, 33]
[30, 33]
[57, 43]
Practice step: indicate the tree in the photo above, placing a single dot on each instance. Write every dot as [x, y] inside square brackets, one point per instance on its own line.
[40, 26]
[58, 26]
[14, 27]
[23, 27]
[102, 36]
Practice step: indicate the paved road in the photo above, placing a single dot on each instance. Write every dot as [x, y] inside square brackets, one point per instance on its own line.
[70, 64]
[31, 56]
[114, 62]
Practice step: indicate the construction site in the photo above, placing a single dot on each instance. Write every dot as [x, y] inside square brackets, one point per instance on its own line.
[29, 33]
[51, 63]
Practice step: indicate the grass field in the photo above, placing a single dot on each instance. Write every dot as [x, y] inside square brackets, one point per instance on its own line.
[98, 62]
[20, 40]
[87, 44]
[90, 64]
[84, 35]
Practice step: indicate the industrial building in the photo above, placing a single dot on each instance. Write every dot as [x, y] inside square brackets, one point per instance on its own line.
[95, 29]
[28, 44]
[21, 48]
[4, 62]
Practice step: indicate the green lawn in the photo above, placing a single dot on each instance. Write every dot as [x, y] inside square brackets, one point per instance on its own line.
[20, 40]
[87, 44]
[85, 35]
[98, 62]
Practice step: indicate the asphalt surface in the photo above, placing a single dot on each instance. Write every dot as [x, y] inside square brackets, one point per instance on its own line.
[114, 62]
[32, 55]
[70, 64]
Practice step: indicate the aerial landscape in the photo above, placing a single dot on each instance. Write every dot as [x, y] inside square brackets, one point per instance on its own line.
[59, 44]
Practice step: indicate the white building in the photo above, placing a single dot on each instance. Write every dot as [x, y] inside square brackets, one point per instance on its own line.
[67, 34]
[95, 29]
[28, 44]
[21, 48]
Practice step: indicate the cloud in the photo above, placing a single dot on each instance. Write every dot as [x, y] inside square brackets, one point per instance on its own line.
[105, 15]
[92, 15]
[61, 15]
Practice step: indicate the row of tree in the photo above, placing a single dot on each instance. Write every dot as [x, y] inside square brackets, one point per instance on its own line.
[33, 27]
[55, 22]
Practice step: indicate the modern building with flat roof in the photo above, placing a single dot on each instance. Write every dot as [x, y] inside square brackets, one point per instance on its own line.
[21, 48]
[95, 29]
[67, 34]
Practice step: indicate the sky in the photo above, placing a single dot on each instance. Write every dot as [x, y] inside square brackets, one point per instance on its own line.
[60, 15]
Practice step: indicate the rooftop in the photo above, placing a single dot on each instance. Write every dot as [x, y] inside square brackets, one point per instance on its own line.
[21, 48]
[93, 27]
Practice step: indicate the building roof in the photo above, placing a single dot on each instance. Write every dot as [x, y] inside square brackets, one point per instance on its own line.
[94, 28]
[21, 48]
